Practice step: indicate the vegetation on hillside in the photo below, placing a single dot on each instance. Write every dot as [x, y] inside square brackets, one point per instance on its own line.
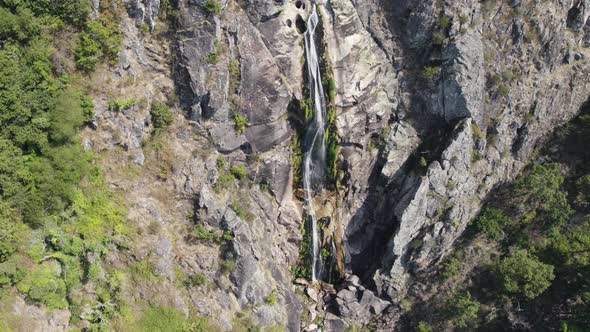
[536, 231]
[58, 219]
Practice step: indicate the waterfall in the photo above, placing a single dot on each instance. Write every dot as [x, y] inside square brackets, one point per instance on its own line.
[314, 162]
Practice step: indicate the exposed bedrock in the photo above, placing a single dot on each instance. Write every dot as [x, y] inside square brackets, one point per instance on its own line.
[431, 114]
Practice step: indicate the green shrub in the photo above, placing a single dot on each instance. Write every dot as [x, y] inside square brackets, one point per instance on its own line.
[11, 271]
[167, 319]
[542, 187]
[161, 115]
[72, 11]
[197, 279]
[430, 73]
[444, 22]
[438, 38]
[271, 299]
[227, 265]
[332, 152]
[68, 117]
[296, 156]
[87, 106]
[330, 86]
[583, 192]
[463, 310]
[225, 180]
[503, 90]
[240, 123]
[44, 286]
[142, 271]
[233, 67]
[100, 41]
[201, 232]
[423, 327]
[226, 237]
[220, 163]
[239, 172]
[306, 107]
[211, 6]
[212, 58]
[12, 231]
[18, 25]
[508, 75]
[476, 131]
[451, 267]
[241, 209]
[423, 163]
[463, 19]
[491, 222]
[118, 105]
[524, 275]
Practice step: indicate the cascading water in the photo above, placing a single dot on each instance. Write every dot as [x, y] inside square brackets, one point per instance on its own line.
[314, 162]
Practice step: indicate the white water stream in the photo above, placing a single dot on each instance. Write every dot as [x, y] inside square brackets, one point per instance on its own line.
[314, 162]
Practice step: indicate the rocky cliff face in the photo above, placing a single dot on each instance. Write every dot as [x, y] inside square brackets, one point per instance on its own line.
[436, 104]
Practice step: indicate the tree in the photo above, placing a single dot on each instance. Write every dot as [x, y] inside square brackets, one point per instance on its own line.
[12, 231]
[522, 274]
[462, 309]
[423, 327]
[542, 189]
[100, 41]
[66, 118]
[161, 115]
[491, 222]
[583, 188]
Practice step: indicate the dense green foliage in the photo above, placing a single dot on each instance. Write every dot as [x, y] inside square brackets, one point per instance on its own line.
[99, 41]
[491, 222]
[55, 209]
[166, 319]
[12, 232]
[524, 275]
[161, 115]
[271, 299]
[211, 6]
[423, 327]
[450, 267]
[527, 256]
[331, 135]
[240, 123]
[239, 171]
[463, 309]
[117, 105]
[542, 189]
[44, 285]
[430, 73]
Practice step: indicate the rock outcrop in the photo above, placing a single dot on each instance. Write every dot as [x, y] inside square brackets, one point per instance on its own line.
[419, 151]
[436, 104]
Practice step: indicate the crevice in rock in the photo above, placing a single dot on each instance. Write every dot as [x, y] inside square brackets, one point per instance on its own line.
[574, 18]
[270, 17]
[300, 24]
[207, 112]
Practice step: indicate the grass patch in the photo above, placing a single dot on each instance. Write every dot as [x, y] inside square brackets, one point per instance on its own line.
[242, 210]
[167, 319]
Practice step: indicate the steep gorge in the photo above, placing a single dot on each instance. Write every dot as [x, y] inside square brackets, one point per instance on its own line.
[431, 105]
